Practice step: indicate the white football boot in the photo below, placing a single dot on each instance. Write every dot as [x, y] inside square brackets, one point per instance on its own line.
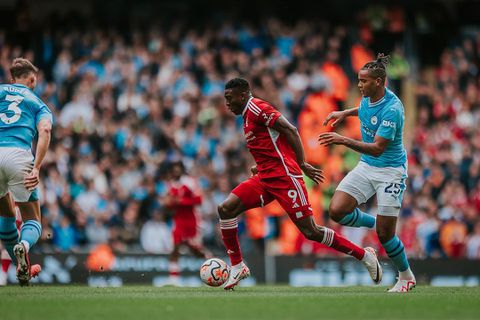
[370, 261]
[403, 286]
[237, 273]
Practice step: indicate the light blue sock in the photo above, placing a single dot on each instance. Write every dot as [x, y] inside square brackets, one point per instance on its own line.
[357, 219]
[9, 235]
[396, 252]
[31, 232]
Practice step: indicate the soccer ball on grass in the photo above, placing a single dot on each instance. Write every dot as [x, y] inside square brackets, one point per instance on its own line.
[214, 272]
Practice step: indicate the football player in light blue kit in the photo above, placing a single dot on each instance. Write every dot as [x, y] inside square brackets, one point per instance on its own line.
[382, 169]
[23, 116]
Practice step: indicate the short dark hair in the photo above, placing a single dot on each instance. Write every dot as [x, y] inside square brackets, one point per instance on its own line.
[378, 67]
[239, 83]
[22, 67]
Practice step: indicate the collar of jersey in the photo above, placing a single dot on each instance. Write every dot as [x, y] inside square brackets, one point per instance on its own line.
[379, 101]
[21, 85]
[246, 106]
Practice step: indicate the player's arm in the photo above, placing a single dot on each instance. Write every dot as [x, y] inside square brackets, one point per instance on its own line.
[44, 128]
[293, 138]
[185, 201]
[386, 132]
[191, 200]
[376, 148]
[192, 196]
[339, 116]
[44, 135]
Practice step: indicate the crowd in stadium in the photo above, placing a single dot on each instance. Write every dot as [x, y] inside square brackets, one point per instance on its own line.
[128, 103]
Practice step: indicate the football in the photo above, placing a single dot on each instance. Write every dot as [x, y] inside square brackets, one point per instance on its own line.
[214, 272]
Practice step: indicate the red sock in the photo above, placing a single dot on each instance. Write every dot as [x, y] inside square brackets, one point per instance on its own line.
[229, 229]
[339, 243]
[6, 264]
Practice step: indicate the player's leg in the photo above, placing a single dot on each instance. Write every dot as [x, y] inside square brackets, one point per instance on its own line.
[198, 250]
[30, 233]
[389, 198]
[395, 250]
[6, 262]
[228, 211]
[249, 194]
[194, 242]
[31, 229]
[8, 228]
[353, 190]
[344, 210]
[18, 163]
[6, 259]
[293, 198]
[173, 267]
[334, 240]
[328, 237]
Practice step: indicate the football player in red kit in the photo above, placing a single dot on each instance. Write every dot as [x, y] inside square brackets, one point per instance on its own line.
[278, 152]
[182, 198]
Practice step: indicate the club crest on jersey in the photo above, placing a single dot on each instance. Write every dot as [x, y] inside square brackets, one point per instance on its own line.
[374, 120]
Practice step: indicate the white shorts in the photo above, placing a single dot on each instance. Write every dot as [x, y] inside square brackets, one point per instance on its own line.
[388, 183]
[15, 163]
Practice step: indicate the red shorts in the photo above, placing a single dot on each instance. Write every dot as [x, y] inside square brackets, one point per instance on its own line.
[185, 231]
[290, 192]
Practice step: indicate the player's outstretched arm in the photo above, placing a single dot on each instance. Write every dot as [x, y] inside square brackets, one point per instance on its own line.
[44, 128]
[190, 200]
[293, 138]
[339, 116]
[376, 148]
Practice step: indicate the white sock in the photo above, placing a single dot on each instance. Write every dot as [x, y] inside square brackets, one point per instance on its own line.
[367, 256]
[5, 255]
[406, 275]
[238, 265]
[26, 244]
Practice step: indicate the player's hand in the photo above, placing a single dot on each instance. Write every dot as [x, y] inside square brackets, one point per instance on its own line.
[329, 138]
[169, 201]
[254, 170]
[338, 116]
[313, 173]
[174, 201]
[31, 179]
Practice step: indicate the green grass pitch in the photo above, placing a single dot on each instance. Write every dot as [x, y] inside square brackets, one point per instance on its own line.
[261, 302]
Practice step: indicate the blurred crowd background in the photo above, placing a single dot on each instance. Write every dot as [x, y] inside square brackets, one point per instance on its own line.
[134, 91]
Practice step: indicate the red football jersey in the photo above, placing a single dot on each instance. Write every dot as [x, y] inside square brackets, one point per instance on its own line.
[271, 151]
[185, 192]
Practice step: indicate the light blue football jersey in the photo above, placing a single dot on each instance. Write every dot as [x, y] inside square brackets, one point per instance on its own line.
[384, 118]
[20, 112]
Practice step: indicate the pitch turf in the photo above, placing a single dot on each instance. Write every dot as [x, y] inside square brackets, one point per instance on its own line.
[262, 302]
